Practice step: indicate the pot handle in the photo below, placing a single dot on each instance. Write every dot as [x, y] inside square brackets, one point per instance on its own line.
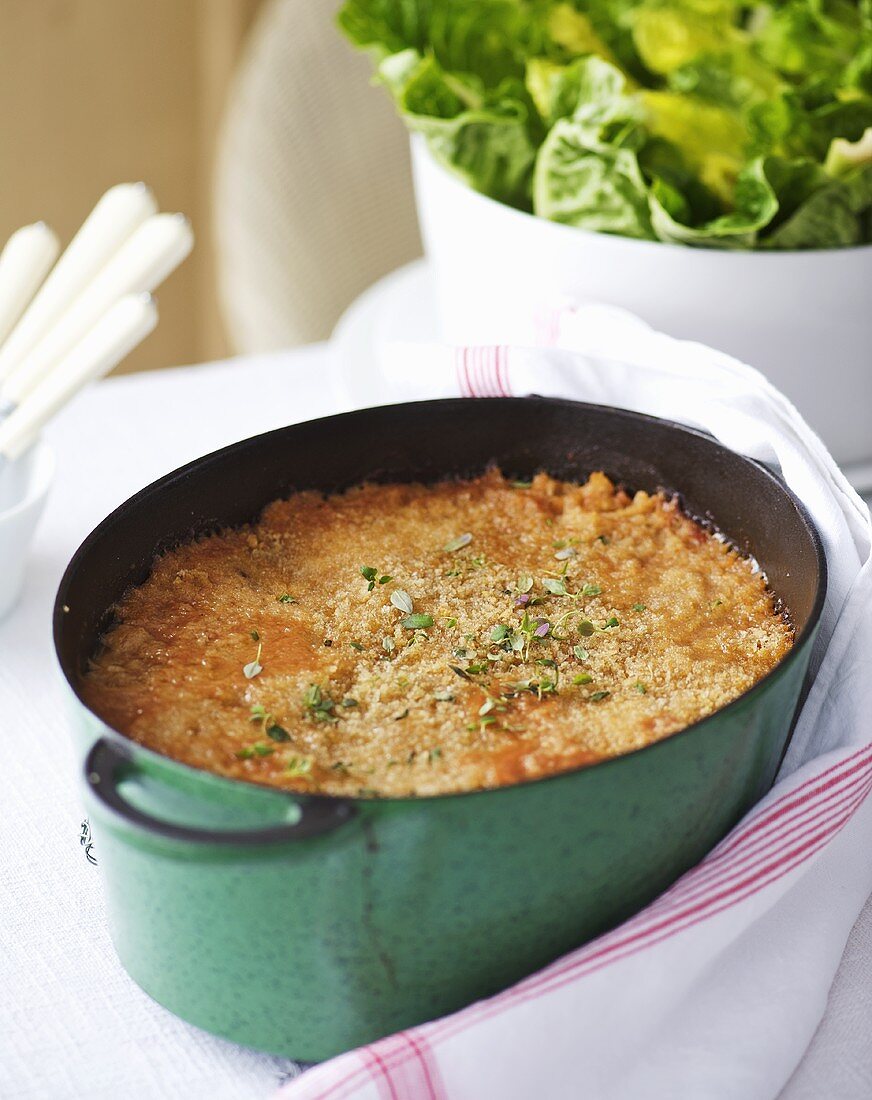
[318, 814]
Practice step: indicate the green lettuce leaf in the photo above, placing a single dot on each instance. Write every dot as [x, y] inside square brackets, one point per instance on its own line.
[714, 123]
[483, 135]
[835, 215]
[581, 181]
[755, 206]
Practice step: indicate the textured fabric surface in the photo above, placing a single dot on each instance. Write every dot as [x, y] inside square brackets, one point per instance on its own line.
[313, 194]
[73, 1024]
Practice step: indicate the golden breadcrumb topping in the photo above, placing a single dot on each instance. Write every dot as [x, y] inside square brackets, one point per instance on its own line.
[418, 640]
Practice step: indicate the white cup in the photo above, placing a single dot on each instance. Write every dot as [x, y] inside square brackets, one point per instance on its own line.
[24, 488]
[803, 318]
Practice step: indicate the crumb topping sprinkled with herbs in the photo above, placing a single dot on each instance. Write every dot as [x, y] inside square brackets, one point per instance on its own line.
[563, 625]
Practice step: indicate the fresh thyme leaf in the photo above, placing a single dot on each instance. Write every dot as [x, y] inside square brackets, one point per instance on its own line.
[521, 484]
[499, 632]
[586, 628]
[402, 715]
[434, 754]
[263, 750]
[640, 687]
[277, 732]
[555, 587]
[357, 646]
[591, 590]
[369, 573]
[487, 706]
[444, 695]
[417, 622]
[580, 652]
[285, 598]
[255, 637]
[461, 672]
[349, 702]
[245, 754]
[582, 678]
[451, 624]
[525, 584]
[300, 765]
[258, 712]
[385, 579]
[597, 695]
[402, 601]
[611, 622]
[458, 543]
[565, 553]
[253, 668]
[638, 607]
[318, 704]
[388, 645]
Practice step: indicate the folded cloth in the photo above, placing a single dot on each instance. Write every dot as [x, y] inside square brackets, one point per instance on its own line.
[715, 990]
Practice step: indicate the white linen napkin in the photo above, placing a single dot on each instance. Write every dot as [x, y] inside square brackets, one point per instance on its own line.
[715, 990]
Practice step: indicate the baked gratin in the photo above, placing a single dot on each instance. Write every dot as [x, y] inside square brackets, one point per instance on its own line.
[417, 640]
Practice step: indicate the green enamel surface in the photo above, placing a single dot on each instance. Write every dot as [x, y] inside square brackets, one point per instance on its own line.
[414, 908]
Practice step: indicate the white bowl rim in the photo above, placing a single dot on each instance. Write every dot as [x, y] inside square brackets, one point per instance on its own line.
[40, 483]
[773, 256]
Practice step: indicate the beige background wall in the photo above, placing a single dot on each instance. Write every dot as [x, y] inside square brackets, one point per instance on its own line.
[93, 92]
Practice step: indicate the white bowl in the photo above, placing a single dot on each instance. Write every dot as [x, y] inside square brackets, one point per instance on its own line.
[24, 487]
[803, 318]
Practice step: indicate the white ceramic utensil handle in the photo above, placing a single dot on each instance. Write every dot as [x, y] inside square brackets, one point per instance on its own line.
[116, 334]
[157, 247]
[24, 262]
[117, 214]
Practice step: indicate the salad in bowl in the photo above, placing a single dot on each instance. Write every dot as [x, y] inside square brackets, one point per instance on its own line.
[713, 123]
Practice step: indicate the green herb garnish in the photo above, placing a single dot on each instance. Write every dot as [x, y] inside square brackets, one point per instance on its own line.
[417, 622]
[357, 646]
[285, 598]
[639, 607]
[300, 765]
[319, 705]
[499, 632]
[255, 637]
[253, 668]
[580, 652]
[277, 732]
[640, 687]
[371, 575]
[597, 695]
[582, 678]
[402, 601]
[458, 543]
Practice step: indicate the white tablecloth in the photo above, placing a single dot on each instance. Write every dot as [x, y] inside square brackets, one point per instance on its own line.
[71, 1023]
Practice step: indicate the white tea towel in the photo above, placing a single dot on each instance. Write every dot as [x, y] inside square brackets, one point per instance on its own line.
[714, 991]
